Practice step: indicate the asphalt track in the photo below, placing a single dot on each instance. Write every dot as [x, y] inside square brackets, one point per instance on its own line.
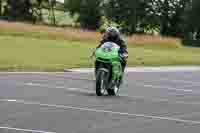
[149, 102]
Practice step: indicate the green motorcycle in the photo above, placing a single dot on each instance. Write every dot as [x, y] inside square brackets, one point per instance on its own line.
[109, 71]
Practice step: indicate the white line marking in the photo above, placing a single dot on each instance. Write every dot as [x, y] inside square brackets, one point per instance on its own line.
[144, 69]
[139, 84]
[128, 69]
[138, 97]
[165, 87]
[43, 85]
[59, 87]
[100, 111]
[125, 95]
[160, 100]
[25, 130]
[80, 90]
[181, 81]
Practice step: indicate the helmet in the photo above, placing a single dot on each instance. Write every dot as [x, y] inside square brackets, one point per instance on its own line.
[113, 32]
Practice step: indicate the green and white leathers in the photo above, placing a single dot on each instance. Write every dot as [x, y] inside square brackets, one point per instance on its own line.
[109, 71]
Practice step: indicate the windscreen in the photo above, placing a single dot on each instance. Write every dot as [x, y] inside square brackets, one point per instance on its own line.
[109, 45]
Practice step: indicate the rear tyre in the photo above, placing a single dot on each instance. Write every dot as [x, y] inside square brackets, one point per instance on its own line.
[100, 83]
[113, 90]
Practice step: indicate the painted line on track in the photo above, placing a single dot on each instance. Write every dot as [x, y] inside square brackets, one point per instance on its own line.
[25, 130]
[99, 111]
[138, 84]
[181, 81]
[168, 88]
[128, 69]
[43, 85]
[143, 69]
[82, 90]
[138, 97]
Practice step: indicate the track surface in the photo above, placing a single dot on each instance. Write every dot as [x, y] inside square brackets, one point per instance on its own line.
[149, 102]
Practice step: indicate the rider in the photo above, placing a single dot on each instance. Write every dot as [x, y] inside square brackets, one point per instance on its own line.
[112, 34]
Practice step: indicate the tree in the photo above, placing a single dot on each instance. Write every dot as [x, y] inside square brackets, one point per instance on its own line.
[37, 9]
[19, 10]
[168, 14]
[88, 11]
[123, 12]
[193, 15]
[52, 11]
[193, 20]
[38, 5]
[0, 7]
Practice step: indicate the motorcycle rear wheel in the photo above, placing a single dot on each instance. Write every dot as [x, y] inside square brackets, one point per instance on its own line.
[101, 83]
[113, 91]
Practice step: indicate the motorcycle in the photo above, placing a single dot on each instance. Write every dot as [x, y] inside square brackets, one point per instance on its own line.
[109, 72]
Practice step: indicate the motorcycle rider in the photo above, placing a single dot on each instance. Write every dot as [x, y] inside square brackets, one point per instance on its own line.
[112, 34]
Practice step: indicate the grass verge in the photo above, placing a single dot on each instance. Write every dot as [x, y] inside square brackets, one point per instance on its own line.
[71, 34]
[33, 54]
[26, 47]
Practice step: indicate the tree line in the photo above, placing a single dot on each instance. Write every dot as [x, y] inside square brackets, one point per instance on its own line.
[177, 18]
[28, 10]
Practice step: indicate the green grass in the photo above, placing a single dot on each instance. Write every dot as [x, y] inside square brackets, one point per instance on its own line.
[28, 54]
[34, 54]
